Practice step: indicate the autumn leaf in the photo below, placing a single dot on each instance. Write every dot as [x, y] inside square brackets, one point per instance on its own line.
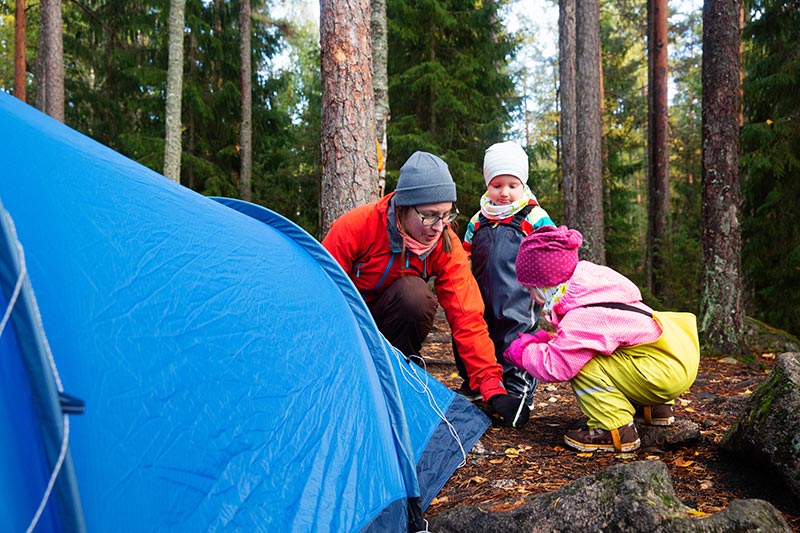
[706, 484]
[696, 513]
[683, 463]
[511, 452]
[496, 461]
[768, 356]
[585, 454]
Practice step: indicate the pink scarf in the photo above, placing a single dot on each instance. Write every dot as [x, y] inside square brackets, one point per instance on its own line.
[413, 245]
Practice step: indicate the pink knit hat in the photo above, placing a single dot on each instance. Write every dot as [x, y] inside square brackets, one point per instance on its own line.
[548, 256]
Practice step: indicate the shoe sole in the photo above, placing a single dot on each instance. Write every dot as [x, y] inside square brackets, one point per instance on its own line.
[582, 446]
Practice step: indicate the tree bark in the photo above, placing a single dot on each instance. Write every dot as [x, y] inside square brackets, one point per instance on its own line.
[658, 239]
[589, 175]
[172, 140]
[380, 81]
[245, 85]
[349, 154]
[721, 312]
[566, 68]
[20, 88]
[50, 61]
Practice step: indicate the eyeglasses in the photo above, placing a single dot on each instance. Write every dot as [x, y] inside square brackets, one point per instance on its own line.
[431, 220]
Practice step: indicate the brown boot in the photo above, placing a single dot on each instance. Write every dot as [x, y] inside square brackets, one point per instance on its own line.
[622, 439]
[654, 415]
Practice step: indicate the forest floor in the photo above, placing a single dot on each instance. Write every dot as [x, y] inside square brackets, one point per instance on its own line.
[515, 463]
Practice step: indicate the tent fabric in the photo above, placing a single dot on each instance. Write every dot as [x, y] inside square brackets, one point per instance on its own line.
[232, 378]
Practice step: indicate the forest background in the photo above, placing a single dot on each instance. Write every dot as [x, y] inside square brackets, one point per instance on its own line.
[493, 77]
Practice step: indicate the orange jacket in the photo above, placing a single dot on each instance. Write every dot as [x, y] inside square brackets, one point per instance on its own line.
[366, 243]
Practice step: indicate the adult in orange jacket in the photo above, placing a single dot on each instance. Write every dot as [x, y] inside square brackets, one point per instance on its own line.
[391, 248]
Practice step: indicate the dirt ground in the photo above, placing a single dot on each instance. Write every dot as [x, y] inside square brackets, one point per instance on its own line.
[534, 460]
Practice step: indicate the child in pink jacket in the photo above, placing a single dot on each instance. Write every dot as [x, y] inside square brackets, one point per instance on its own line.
[621, 358]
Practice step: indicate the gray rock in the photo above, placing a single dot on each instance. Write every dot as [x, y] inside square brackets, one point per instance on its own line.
[681, 432]
[768, 429]
[636, 496]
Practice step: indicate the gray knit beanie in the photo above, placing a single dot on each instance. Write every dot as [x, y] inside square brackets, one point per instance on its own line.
[424, 179]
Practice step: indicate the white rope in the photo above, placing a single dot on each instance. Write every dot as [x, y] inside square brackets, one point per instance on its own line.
[23, 271]
[62, 454]
[413, 379]
[14, 296]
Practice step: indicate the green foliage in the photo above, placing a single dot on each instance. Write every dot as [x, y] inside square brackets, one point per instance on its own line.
[685, 262]
[291, 165]
[450, 90]
[7, 43]
[770, 163]
[622, 27]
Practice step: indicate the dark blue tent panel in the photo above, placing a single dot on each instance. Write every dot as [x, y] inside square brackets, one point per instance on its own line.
[233, 379]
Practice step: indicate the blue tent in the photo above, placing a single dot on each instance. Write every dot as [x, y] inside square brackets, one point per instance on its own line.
[232, 377]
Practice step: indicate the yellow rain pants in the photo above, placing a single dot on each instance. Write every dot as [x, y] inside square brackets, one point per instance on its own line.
[645, 374]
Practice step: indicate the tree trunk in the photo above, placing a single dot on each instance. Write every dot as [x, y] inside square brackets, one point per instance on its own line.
[19, 51]
[245, 84]
[349, 155]
[50, 61]
[172, 141]
[566, 68]
[721, 312]
[658, 240]
[589, 176]
[380, 81]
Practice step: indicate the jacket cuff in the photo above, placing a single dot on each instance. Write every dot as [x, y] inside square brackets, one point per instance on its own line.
[492, 387]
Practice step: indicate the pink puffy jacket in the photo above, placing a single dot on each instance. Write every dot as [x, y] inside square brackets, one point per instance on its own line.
[583, 332]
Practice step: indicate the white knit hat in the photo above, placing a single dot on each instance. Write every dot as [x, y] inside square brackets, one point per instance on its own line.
[505, 158]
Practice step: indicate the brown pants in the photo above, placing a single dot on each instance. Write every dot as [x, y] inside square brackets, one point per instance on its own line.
[404, 313]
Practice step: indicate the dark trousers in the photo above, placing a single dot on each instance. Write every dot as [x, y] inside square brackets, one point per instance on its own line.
[404, 313]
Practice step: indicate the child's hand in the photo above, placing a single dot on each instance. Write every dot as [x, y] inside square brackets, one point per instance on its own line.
[513, 353]
[541, 336]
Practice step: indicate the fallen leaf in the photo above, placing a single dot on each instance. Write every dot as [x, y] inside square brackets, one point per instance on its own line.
[653, 458]
[437, 501]
[496, 461]
[585, 454]
[552, 399]
[695, 512]
[477, 479]
[683, 463]
[689, 410]
[511, 452]
[626, 456]
[768, 356]
[706, 484]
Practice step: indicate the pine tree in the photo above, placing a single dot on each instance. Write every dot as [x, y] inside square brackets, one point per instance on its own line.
[450, 89]
[771, 163]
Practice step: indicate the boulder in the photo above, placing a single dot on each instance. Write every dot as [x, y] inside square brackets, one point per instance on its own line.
[767, 432]
[681, 433]
[636, 496]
